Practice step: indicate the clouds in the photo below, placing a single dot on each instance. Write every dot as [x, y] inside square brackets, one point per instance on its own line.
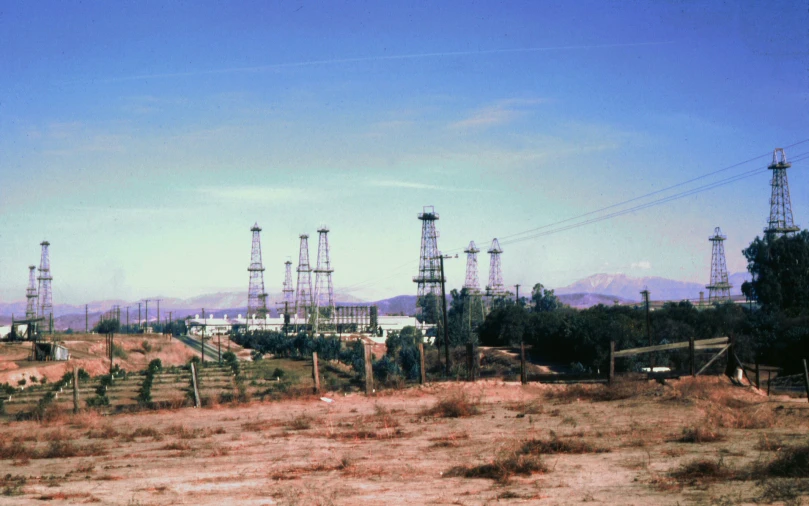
[257, 194]
[501, 112]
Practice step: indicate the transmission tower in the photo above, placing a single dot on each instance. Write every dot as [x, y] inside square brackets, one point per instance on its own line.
[256, 297]
[429, 277]
[780, 222]
[324, 290]
[495, 287]
[45, 298]
[31, 295]
[719, 289]
[303, 297]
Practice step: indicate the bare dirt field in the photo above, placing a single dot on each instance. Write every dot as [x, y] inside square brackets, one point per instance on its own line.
[690, 441]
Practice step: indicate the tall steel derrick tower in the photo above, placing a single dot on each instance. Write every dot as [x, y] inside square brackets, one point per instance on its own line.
[303, 296]
[288, 288]
[45, 309]
[256, 297]
[473, 306]
[495, 287]
[780, 222]
[429, 277]
[719, 289]
[31, 295]
[324, 290]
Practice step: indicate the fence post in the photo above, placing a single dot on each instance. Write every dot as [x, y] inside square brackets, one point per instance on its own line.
[423, 377]
[730, 369]
[611, 377]
[194, 384]
[806, 378]
[523, 372]
[369, 370]
[470, 362]
[315, 373]
[691, 356]
[758, 376]
[75, 389]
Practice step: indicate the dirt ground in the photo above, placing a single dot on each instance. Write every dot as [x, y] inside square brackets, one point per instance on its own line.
[87, 352]
[391, 449]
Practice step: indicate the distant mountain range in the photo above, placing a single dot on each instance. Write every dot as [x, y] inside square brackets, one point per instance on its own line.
[592, 290]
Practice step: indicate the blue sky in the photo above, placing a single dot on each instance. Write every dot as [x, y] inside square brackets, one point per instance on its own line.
[143, 139]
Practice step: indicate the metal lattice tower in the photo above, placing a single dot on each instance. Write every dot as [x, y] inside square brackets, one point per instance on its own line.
[495, 286]
[719, 289]
[303, 296]
[256, 297]
[780, 222]
[471, 283]
[288, 288]
[324, 290]
[429, 277]
[45, 297]
[31, 295]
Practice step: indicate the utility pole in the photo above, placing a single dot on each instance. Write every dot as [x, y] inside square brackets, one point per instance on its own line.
[158, 310]
[518, 293]
[202, 339]
[645, 294]
[86, 320]
[444, 311]
[146, 317]
[139, 315]
[127, 319]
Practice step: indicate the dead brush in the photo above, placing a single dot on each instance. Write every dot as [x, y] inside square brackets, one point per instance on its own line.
[702, 471]
[770, 443]
[555, 445]
[759, 417]
[455, 405]
[300, 422]
[699, 434]
[449, 441]
[791, 462]
[532, 407]
[620, 390]
[501, 469]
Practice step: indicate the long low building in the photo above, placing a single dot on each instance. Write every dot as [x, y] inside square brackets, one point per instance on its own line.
[224, 324]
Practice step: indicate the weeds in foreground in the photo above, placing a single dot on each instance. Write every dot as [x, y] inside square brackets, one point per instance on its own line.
[300, 422]
[791, 462]
[701, 471]
[501, 469]
[626, 389]
[556, 445]
[456, 405]
[700, 435]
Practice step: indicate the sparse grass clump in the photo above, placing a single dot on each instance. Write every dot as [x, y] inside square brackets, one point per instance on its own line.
[791, 462]
[500, 469]
[620, 390]
[300, 422]
[556, 445]
[702, 471]
[700, 435]
[456, 405]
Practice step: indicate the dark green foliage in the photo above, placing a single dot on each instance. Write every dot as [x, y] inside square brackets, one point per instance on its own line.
[780, 269]
[543, 299]
[107, 327]
[301, 345]
[145, 392]
[386, 369]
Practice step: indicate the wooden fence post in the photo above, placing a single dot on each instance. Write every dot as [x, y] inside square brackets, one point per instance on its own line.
[691, 356]
[423, 376]
[758, 376]
[369, 370]
[523, 372]
[315, 373]
[611, 377]
[194, 384]
[75, 389]
[470, 362]
[806, 378]
[730, 368]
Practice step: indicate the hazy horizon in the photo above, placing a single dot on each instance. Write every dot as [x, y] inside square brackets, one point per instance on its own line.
[144, 140]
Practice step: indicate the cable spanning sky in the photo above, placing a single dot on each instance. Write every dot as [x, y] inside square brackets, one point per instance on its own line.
[144, 139]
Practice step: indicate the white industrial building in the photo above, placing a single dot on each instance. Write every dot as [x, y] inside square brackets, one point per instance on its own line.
[214, 325]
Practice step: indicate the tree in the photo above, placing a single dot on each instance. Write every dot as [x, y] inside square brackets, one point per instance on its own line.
[544, 299]
[430, 306]
[780, 269]
[107, 327]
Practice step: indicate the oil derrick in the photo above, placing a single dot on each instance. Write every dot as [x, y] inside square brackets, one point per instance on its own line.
[45, 298]
[324, 290]
[780, 222]
[495, 288]
[719, 289]
[303, 296]
[31, 295]
[256, 297]
[429, 277]
[473, 312]
[288, 288]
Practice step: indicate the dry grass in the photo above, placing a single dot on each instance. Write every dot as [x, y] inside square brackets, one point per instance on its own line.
[300, 422]
[700, 434]
[501, 469]
[455, 405]
[757, 417]
[625, 389]
[702, 471]
[556, 445]
[791, 462]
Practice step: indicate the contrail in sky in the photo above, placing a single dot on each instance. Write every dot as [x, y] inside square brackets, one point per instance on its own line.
[312, 63]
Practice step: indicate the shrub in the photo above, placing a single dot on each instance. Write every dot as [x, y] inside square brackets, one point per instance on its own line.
[119, 352]
[301, 422]
[278, 373]
[702, 471]
[700, 435]
[21, 382]
[556, 445]
[501, 469]
[791, 462]
[146, 345]
[454, 406]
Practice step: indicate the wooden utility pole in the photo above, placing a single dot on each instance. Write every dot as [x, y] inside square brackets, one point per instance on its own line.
[611, 374]
[645, 294]
[470, 362]
[315, 373]
[194, 384]
[75, 390]
[127, 319]
[517, 300]
[444, 311]
[202, 338]
[523, 372]
[691, 356]
[369, 370]
[806, 378]
[423, 375]
[86, 320]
